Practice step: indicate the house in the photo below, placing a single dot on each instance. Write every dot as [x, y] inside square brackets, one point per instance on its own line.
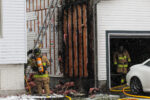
[12, 44]
[121, 22]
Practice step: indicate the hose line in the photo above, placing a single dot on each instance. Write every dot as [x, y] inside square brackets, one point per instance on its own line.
[114, 89]
[125, 90]
[27, 84]
[68, 97]
[137, 96]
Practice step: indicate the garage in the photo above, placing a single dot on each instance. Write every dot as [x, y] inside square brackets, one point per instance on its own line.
[137, 45]
[121, 23]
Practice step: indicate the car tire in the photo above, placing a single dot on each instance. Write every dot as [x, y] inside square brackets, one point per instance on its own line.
[136, 86]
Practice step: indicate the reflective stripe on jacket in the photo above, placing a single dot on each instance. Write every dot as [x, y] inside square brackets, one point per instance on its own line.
[122, 65]
[122, 58]
[38, 76]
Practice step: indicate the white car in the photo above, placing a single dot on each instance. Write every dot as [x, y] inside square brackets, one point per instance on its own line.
[138, 77]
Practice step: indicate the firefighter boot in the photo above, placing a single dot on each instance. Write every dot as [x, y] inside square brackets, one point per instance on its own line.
[122, 80]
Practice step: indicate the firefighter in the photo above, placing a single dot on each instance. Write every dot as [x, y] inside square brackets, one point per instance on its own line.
[30, 69]
[121, 60]
[39, 66]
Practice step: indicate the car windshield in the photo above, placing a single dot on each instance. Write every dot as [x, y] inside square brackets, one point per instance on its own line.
[147, 63]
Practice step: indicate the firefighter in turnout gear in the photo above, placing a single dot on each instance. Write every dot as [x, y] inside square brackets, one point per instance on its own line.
[39, 65]
[121, 60]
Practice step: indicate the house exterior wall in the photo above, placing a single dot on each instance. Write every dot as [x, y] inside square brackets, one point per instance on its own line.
[13, 42]
[12, 45]
[0, 20]
[12, 77]
[119, 15]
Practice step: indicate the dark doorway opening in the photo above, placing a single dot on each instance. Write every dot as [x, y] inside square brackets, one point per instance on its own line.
[138, 48]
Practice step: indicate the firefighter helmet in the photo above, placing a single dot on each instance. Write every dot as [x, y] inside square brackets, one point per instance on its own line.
[37, 51]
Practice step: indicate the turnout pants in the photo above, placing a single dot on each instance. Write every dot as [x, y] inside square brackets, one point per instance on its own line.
[43, 82]
[122, 70]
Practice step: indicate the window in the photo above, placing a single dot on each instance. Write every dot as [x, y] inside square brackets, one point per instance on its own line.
[147, 64]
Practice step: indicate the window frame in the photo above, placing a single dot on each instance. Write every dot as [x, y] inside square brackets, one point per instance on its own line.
[110, 33]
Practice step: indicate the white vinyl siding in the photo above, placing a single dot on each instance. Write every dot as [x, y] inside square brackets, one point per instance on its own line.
[13, 42]
[126, 15]
[0, 19]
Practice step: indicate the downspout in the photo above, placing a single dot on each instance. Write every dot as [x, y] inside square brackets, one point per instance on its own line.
[95, 43]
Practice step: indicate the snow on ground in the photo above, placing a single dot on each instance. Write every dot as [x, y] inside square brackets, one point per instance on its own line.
[29, 97]
[105, 97]
[22, 97]
[96, 97]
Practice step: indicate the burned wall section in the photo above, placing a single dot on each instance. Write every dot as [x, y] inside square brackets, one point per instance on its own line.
[91, 37]
[78, 52]
[76, 39]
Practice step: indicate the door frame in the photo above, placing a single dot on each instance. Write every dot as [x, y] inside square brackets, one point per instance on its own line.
[110, 33]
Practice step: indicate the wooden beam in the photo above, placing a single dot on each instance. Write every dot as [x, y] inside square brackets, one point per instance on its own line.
[75, 41]
[58, 27]
[26, 6]
[27, 11]
[38, 22]
[29, 5]
[32, 4]
[33, 10]
[36, 4]
[85, 40]
[37, 16]
[65, 22]
[38, 10]
[40, 4]
[70, 43]
[44, 4]
[46, 30]
[80, 41]
[41, 26]
[54, 44]
[50, 48]
[48, 2]
[30, 20]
